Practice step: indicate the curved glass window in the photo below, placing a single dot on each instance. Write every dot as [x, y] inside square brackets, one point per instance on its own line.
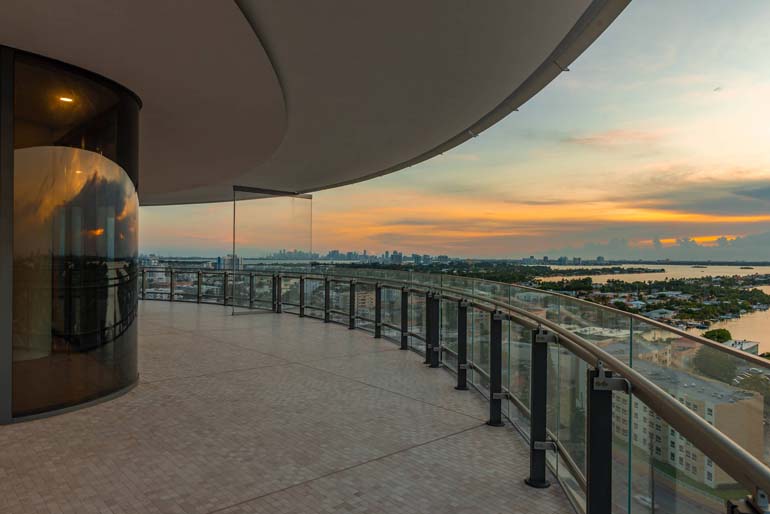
[75, 237]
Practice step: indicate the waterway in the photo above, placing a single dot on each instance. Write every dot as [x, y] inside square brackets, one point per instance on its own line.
[754, 326]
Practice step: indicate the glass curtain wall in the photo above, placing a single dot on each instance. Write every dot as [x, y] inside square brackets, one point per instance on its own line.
[74, 236]
[270, 230]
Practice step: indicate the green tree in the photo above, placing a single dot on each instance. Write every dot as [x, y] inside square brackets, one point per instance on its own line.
[715, 364]
[720, 335]
[620, 305]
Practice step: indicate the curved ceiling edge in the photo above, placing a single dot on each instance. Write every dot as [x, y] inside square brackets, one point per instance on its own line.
[590, 26]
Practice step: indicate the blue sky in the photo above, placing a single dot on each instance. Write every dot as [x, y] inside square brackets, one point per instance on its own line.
[655, 144]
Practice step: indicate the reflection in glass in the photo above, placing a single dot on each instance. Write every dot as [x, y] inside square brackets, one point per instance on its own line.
[75, 237]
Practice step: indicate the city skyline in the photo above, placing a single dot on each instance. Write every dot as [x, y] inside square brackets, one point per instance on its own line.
[654, 145]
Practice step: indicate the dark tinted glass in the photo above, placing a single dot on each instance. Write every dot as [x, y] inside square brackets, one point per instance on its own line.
[75, 237]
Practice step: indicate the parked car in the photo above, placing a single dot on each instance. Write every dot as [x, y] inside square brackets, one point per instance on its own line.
[645, 501]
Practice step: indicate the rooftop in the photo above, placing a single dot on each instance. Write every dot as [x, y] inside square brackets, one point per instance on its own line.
[270, 413]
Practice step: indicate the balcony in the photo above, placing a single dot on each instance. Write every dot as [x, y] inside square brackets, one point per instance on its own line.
[257, 395]
[268, 413]
[627, 414]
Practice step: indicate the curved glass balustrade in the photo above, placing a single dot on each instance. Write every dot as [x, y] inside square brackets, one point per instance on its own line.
[656, 466]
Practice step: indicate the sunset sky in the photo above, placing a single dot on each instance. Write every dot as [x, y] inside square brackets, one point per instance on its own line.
[655, 144]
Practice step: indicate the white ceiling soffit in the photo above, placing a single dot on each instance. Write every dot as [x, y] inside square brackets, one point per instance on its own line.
[213, 106]
[298, 95]
[373, 87]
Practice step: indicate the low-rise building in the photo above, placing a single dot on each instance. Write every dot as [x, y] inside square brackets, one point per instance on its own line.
[744, 345]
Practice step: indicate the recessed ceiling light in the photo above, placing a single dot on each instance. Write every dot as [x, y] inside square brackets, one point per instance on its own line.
[78, 172]
[66, 99]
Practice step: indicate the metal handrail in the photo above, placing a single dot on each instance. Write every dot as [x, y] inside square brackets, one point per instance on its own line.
[755, 359]
[736, 461]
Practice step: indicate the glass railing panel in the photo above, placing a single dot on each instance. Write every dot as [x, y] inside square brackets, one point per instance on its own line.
[724, 389]
[457, 283]
[539, 303]
[427, 280]
[448, 333]
[417, 322]
[496, 291]
[239, 289]
[339, 301]
[263, 291]
[568, 393]
[610, 330]
[290, 294]
[508, 363]
[554, 397]
[518, 378]
[365, 303]
[314, 297]
[157, 284]
[670, 475]
[478, 348]
[212, 287]
[622, 459]
[391, 313]
[571, 389]
[185, 286]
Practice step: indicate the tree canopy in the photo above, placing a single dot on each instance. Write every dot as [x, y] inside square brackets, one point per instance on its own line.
[720, 335]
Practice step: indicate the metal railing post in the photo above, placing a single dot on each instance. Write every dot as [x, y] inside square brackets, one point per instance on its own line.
[327, 299]
[144, 284]
[538, 404]
[496, 369]
[278, 294]
[224, 287]
[251, 290]
[434, 334]
[273, 295]
[426, 334]
[599, 440]
[301, 296]
[377, 310]
[352, 305]
[171, 285]
[462, 345]
[199, 287]
[404, 318]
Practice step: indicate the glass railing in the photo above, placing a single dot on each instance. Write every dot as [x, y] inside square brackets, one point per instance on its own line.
[690, 433]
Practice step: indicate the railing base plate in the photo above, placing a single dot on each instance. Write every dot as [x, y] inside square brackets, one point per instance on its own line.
[537, 483]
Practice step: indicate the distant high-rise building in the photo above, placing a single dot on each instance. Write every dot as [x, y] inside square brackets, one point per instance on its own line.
[231, 262]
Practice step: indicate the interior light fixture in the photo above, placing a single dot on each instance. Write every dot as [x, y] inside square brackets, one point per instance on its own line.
[66, 99]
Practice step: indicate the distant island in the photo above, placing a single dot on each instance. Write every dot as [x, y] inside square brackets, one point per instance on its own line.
[503, 271]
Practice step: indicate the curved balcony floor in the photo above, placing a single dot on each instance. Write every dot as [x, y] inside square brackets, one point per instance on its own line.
[270, 413]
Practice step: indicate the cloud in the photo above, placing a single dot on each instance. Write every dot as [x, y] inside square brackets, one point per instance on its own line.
[759, 193]
[615, 138]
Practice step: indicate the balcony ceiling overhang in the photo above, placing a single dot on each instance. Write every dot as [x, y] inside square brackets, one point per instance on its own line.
[300, 96]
